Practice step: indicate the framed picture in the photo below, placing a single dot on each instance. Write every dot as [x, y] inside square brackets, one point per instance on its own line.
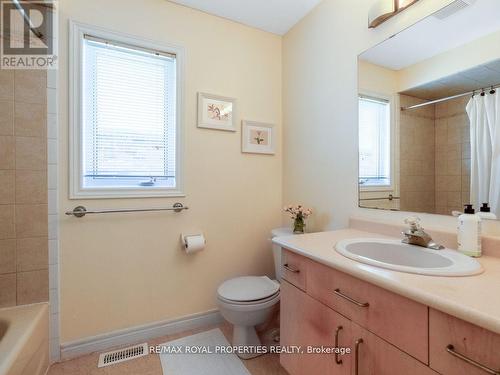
[258, 138]
[216, 112]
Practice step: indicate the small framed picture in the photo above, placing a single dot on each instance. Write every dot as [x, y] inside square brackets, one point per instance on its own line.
[258, 138]
[216, 112]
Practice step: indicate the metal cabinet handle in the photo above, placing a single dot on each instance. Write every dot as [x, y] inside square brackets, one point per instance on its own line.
[337, 332]
[357, 303]
[356, 355]
[291, 269]
[451, 349]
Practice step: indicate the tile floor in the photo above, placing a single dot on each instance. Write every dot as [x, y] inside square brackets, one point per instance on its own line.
[150, 364]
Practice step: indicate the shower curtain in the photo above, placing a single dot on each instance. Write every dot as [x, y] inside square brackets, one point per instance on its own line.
[484, 115]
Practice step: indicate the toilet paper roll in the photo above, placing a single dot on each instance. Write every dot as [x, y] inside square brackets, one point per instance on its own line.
[194, 243]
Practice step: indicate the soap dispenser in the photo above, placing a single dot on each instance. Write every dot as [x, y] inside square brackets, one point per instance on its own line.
[469, 232]
[485, 213]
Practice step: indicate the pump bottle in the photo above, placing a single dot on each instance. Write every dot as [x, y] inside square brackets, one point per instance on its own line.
[469, 232]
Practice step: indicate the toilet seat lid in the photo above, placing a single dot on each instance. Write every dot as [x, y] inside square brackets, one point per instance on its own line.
[248, 288]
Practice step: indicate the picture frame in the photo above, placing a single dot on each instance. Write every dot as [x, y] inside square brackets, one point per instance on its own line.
[216, 112]
[258, 138]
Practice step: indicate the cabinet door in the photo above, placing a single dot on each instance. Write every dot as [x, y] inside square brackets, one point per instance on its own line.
[292, 312]
[374, 356]
[461, 348]
[317, 329]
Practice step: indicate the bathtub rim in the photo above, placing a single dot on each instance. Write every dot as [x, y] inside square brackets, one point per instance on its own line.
[11, 348]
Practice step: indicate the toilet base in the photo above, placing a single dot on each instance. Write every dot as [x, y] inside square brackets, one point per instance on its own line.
[246, 336]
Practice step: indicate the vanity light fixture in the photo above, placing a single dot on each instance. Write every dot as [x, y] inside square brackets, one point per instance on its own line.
[382, 10]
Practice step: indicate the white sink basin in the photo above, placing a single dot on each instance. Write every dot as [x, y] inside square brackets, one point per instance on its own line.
[395, 255]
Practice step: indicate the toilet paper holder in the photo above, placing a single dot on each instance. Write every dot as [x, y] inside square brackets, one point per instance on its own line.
[185, 236]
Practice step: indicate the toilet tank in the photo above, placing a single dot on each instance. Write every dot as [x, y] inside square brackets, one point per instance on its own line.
[279, 232]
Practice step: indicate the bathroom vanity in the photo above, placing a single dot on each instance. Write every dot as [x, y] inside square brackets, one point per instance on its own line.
[393, 322]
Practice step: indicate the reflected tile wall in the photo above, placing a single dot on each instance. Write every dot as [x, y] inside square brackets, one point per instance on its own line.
[417, 157]
[435, 156]
[452, 156]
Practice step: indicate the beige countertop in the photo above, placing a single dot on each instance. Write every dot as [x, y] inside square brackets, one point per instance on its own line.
[475, 299]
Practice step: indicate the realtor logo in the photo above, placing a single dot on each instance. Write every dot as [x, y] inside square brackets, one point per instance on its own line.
[28, 30]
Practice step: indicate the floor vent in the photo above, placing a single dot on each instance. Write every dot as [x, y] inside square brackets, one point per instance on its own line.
[122, 355]
[453, 8]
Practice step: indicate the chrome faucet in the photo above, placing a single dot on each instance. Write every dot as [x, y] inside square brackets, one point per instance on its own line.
[416, 235]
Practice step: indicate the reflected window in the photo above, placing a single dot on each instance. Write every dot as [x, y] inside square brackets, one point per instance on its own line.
[374, 142]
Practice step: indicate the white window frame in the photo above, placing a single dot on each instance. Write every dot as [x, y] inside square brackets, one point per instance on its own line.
[393, 103]
[77, 31]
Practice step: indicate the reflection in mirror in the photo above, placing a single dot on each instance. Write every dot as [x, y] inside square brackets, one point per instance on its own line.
[429, 115]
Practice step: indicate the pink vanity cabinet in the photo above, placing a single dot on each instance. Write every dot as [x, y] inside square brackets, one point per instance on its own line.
[387, 334]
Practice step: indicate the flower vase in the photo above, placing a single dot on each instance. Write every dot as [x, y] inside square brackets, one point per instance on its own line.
[299, 225]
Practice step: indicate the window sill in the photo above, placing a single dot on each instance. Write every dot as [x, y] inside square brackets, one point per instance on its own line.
[125, 194]
[367, 189]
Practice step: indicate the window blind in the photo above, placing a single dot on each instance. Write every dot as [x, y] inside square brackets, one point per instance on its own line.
[374, 142]
[129, 131]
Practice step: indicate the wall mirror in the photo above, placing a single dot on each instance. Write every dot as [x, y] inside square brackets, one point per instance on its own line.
[429, 114]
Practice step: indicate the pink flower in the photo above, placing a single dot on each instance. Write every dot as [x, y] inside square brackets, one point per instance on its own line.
[298, 211]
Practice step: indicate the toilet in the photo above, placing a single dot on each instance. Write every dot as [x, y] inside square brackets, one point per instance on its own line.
[249, 301]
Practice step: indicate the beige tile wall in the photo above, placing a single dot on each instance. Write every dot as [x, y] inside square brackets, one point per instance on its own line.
[23, 188]
[452, 156]
[435, 156]
[417, 149]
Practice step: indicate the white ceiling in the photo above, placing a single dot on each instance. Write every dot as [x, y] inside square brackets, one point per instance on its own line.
[433, 36]
[275, 16]
[479, 77]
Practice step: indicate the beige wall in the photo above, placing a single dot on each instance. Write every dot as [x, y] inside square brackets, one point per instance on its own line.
[124, 270]
[320, 106]
[320, 110]
[377, 79]
[24, 263]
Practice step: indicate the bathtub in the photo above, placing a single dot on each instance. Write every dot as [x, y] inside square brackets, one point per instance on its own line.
[24, 340]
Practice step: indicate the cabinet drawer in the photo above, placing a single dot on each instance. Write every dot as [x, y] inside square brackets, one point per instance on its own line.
[400, 321]
[373, 356]
[471, 342]
[294, 269]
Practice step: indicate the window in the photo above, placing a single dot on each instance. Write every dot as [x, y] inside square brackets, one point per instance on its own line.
[374, 142]
[127, 131]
